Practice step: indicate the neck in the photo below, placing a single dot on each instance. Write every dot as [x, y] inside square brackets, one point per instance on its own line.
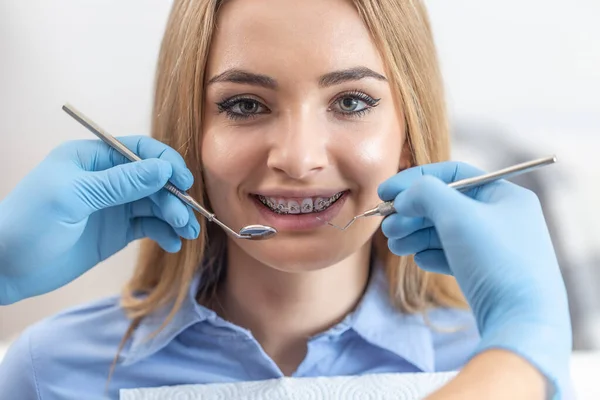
[283, 309]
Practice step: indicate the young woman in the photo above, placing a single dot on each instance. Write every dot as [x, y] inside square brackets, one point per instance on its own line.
[284, 111]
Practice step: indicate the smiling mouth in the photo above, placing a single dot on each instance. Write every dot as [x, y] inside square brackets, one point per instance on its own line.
[292, 206]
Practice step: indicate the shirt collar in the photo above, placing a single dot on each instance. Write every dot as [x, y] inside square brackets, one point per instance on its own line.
[375, 319]
[380, 323]
[143, 344]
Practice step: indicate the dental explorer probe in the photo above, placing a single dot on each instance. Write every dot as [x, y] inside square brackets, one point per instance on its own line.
[386, 208]
[251, 232]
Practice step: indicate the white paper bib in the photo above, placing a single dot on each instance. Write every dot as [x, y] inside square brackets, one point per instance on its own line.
[397, 386]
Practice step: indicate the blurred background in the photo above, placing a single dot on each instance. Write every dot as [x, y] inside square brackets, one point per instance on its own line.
[522, 77]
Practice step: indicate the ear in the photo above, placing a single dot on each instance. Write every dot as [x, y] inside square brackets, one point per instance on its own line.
[406, 157]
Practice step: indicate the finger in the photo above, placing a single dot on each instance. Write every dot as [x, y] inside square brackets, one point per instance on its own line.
[433, 261]
[165, 206]
[422, 240]
[195, 224]
[95, 155]
[448, 171]
[121, 184]
[396, 226]
[156, 230]
[192, 229]
[146, 147]
[174, 210]
[432, 199]
[147, 208]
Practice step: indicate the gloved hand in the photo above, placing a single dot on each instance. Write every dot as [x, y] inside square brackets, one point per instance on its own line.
[494, 240]
[84, 203]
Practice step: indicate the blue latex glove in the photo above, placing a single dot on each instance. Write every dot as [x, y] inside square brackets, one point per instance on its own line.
[84, 203]
[495, 242]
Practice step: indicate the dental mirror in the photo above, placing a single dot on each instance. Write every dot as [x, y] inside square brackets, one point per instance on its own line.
[258, 232]
[250, 232]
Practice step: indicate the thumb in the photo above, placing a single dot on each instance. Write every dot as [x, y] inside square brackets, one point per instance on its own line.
[431, 198]
[125, 183]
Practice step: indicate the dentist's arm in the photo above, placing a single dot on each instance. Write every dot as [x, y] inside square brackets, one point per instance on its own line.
[494, 240]
[84, 203]
[495, 375]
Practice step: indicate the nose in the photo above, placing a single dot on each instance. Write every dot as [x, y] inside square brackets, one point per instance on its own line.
[299, 146]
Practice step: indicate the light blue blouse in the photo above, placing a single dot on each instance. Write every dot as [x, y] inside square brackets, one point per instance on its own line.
[68, 356]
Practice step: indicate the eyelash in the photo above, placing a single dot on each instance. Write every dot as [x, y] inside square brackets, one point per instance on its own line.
[227, 105]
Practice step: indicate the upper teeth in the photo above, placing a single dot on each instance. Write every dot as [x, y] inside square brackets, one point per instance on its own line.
[298, 206]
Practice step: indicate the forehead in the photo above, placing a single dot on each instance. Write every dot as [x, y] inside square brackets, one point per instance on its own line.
[291, 36]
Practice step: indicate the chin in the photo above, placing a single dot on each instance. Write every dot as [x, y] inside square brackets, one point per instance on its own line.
[308, 251]
[300, 261]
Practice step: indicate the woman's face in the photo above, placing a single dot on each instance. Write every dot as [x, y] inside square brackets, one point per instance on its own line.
[299, 122]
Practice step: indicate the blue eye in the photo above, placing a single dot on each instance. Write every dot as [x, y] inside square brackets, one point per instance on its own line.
[353, 104]
[350, 104]
[241, 107]
[246, 107]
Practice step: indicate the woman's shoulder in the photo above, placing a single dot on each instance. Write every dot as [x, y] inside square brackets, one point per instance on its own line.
[98, 322]
[85, 338]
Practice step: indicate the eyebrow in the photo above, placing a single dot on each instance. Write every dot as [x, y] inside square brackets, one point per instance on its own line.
[350, 74]
[329, 79]
[245, 77]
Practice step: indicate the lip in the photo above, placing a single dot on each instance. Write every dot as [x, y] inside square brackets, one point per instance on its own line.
[298, 194]
[299, 222]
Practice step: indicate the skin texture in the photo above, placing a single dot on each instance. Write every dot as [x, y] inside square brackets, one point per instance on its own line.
[281, 289]
[495, 375]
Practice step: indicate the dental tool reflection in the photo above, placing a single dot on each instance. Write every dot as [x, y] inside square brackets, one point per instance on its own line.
[386, 208]
[251, 232]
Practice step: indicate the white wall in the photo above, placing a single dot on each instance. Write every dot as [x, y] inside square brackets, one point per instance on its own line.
[533, 66]
[97, 55]
[508, 56]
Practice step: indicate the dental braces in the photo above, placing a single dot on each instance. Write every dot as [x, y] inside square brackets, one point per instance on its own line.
[282, 209]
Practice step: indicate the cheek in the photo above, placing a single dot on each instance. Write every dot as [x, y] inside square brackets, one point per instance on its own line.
[227, 159]
[379, 155]
[372, 155]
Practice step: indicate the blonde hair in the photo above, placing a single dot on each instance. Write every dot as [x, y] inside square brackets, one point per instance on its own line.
[401, 31]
